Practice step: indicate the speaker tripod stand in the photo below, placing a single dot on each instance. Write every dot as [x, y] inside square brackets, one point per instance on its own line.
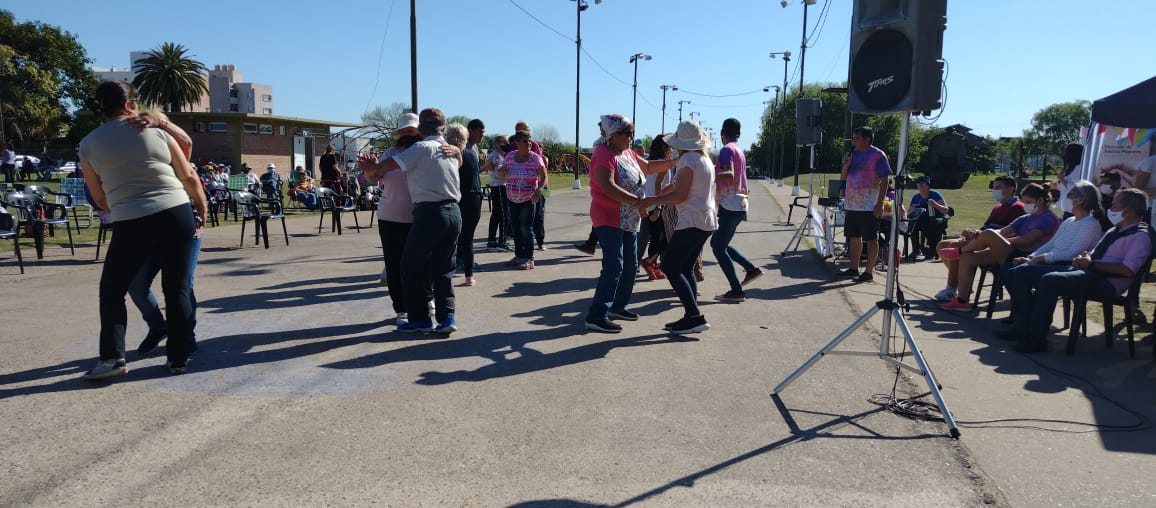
[808, 220]
[891, 313]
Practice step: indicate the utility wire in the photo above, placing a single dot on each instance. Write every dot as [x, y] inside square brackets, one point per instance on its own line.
[543, 23]
[721, 96]
[380, 55]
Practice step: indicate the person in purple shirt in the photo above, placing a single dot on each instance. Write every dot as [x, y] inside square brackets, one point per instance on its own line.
[865, 169]
[1105, 272]
[992, 247]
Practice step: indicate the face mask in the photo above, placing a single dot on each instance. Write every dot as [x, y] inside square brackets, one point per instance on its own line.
[1029, 208]
[997, 195]
[1115, 217]
[1106, 189]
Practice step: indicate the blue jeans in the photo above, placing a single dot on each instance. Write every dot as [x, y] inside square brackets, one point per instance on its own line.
[146, 302]
[678, 262]
[1021, 282]
[165, 236]
[1071, 283]
[619, 263]
[521, 227]
[727, 256]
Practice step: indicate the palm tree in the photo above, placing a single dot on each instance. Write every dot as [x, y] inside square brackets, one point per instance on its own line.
[166, 77]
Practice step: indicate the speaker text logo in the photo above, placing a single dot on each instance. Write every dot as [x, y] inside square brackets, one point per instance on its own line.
[880, 82]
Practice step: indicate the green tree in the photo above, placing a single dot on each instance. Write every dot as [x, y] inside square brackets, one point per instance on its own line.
[1055, 126]
[43, 76]
[462, 119]
[167, 77]
[385, 118]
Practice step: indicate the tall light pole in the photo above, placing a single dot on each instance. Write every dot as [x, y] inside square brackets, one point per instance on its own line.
[680, 103]
[693, 114]
[634, 103]
[664, 89]
[774, 107]
[580, 5]
[413, 53]
[778, 110]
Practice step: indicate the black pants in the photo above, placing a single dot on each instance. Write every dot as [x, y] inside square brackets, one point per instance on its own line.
[9, 172]
[651, 238]
[429, 256]
[540, 220]
[471, 209]
[393, 236]
[499, 216]
[678, 262]
[166, 236]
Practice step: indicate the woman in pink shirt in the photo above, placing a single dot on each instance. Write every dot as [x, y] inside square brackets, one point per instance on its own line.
[525, 175]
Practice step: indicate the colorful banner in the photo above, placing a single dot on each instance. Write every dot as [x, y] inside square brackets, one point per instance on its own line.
[1121, 150]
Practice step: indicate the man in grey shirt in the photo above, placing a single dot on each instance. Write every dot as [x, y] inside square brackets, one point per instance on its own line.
[431, 167]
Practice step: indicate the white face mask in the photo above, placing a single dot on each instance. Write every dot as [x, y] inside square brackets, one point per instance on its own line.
[1029, 208]
[1105, 189]
[1115, 217]
[997, 194]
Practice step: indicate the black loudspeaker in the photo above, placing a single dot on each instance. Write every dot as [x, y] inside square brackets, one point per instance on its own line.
[896, 56]
[808, 121]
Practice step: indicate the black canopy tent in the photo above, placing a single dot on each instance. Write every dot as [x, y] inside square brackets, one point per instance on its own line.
[1133, 107]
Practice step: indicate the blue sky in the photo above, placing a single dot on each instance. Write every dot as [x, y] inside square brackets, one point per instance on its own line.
[489, 59]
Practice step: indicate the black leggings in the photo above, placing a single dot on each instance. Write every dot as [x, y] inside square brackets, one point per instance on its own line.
[471, 209]
[499, 216]
[678, 262]
[166, 236]
[393, 235]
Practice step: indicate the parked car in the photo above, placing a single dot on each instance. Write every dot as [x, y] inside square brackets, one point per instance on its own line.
[20, 158]
[69, 167]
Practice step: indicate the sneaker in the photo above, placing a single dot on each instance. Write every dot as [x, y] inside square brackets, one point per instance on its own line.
[470, 281]
[732, 296]
[150, 342]
[585, 248]
[865, 277]
[106, 369]
[659, 274]
[623, 314]
[949, 253]
[604, 326]
[670, 326]
[955, 304]
[416, 326]
[526, 265]
[945, 295]
[177, 367]
[693, 324]
[400, 319]
[491, 246]
[649, 267]
[505, 246]
[751, 276]
[541, 247]
[849, 272]
[515, 262]
[447, 326]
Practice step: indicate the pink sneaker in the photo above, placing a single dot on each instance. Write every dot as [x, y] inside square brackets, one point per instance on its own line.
[949, 253]
[955, 304]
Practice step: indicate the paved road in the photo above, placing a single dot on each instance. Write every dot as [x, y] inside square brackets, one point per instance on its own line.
[303, 393]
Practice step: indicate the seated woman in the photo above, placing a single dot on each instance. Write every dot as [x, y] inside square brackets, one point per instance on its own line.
[1078, 233]
[306, 193]
[926, 206]
[991, 247]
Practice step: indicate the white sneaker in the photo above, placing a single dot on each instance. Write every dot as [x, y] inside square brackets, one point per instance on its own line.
[945, 294]
[401, 319]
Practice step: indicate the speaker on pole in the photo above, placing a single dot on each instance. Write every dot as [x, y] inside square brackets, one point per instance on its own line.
[808, 121]
[896, 56]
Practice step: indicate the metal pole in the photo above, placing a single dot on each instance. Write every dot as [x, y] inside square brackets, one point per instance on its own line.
[634, 100]
[413, 52]
[802, 63]
[663, 108]
[782, 106]
[577, 95]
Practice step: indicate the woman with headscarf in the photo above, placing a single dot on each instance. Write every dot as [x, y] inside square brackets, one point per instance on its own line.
[616, 186]
[145, 180]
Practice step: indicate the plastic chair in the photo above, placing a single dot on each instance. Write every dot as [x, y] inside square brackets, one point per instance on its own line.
[75, 189]
[10, 228]
[1079, 317]
[336, 205]
[102, 232]
[259, 211]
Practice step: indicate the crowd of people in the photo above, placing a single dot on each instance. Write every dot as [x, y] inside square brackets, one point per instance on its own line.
[656, 213]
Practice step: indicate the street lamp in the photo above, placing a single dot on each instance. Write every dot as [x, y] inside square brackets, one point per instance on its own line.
[664, 89]
[680, 103]
[634, 103]
[580, 5]
[692, 114]
[786, 60]
[774, 107]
